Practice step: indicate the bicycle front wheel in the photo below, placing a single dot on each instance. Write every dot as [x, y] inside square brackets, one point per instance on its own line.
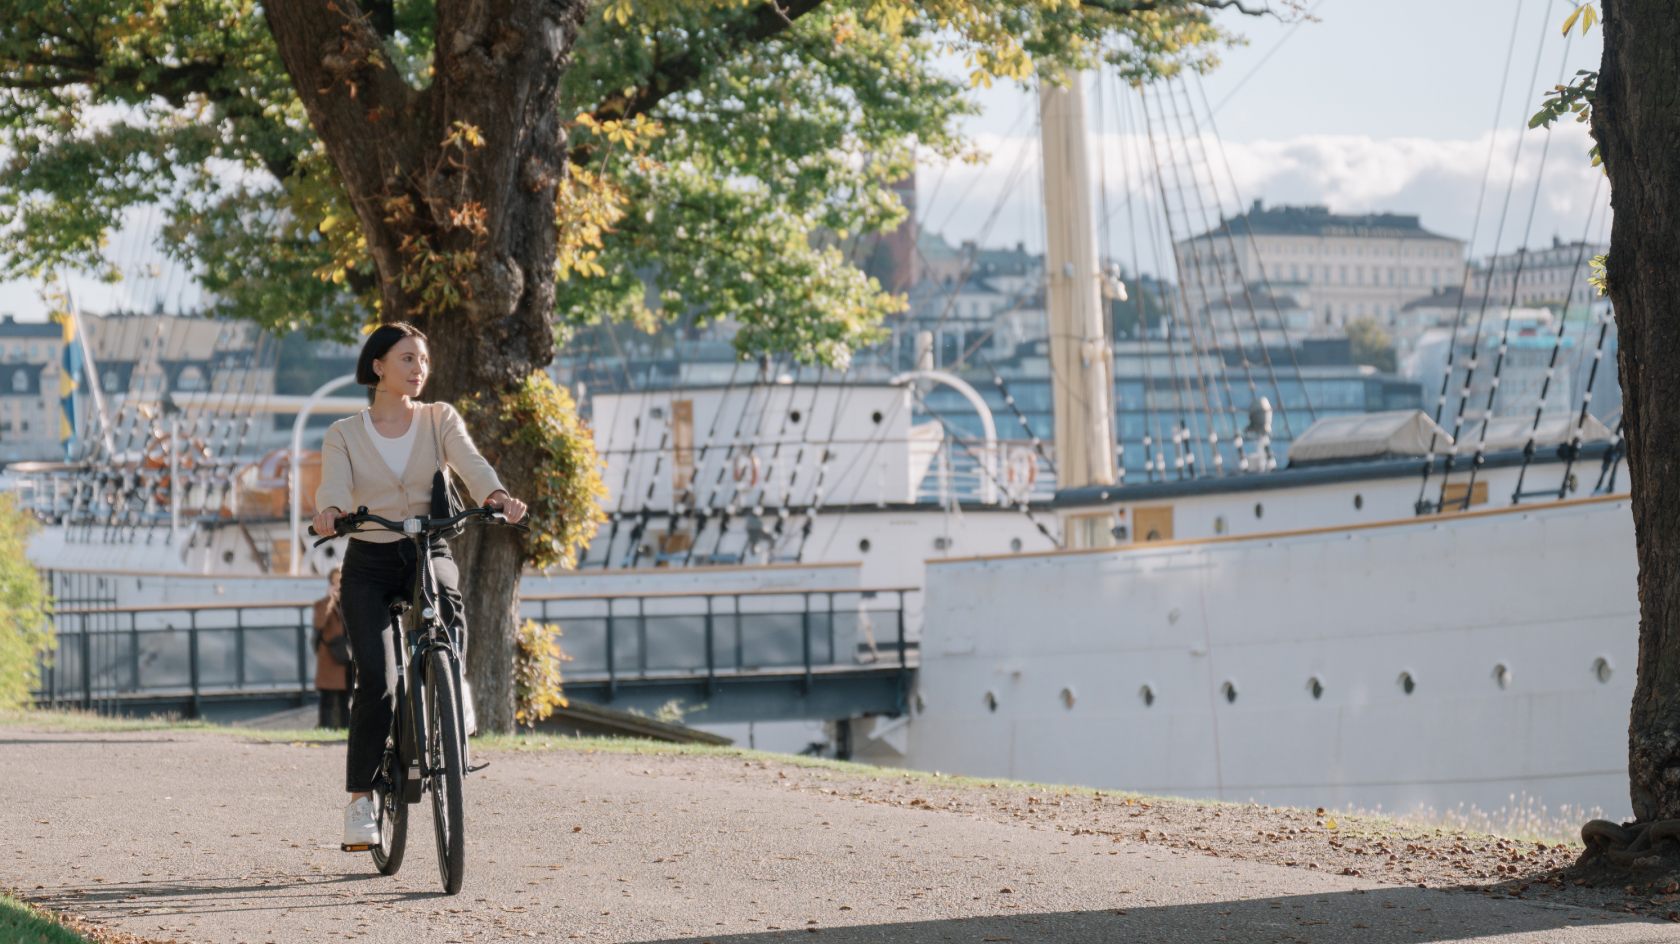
[393, 829]
[446, 769]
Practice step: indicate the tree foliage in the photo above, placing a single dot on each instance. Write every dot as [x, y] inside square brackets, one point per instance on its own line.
[1371, 344]
[712, 144]
[24, 633]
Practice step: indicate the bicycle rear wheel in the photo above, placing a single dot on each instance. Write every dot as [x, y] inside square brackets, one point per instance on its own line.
[445, 769]
[393, 829]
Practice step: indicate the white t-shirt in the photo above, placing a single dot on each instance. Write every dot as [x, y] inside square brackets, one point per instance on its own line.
[396, 451]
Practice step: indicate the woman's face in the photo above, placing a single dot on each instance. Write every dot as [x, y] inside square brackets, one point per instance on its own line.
[404, 367]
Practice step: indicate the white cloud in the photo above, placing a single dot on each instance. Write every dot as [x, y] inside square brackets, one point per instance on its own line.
[1437, 180]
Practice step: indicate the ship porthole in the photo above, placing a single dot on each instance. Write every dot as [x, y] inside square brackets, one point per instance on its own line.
[1407, 683]
[1502, 675]
[991, 701]
[1259, 510]
[863, 546]
[1358, 502]
[1147, 694]
[1015, 545]
[875, 417]
[794, 416]
[1602, 670]
[1219, 525]
[1316, 687]
[1230, 692]
[1068, 698]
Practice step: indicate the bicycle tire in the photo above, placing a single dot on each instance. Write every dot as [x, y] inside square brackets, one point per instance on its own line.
[446, 770]
[393, 830]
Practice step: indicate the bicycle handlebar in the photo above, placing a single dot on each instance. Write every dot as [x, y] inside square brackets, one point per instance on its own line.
[420, 525]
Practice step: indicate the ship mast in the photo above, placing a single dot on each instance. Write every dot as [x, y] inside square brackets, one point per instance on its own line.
[1081, 359]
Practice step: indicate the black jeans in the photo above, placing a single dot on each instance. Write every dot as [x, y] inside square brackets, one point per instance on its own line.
[375, 576]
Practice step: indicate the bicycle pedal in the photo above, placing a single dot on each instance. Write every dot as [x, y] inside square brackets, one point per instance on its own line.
[475, 768]
[358, 847]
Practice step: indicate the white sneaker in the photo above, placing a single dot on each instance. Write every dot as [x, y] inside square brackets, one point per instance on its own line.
[467, 711]
[361, 826]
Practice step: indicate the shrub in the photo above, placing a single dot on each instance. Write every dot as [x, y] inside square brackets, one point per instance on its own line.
[25, 634]
[536, 673]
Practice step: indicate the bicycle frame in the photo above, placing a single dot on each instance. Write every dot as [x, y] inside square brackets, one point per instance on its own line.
[413, 644]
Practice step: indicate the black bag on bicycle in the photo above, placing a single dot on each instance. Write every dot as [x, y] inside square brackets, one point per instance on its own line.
[446, 501]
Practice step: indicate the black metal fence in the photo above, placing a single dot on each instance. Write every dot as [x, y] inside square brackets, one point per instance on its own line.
[108, 655]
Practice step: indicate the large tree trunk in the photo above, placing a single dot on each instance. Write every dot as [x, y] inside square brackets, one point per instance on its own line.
[463, 173]
[1636, 120]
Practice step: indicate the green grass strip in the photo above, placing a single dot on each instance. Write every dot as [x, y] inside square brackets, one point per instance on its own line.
[23, 923]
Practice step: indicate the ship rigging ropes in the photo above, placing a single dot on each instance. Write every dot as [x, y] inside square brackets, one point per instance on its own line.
[1511, 308]
[1474, 357]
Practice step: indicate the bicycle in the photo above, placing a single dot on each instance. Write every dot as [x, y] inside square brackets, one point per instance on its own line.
[426, 750]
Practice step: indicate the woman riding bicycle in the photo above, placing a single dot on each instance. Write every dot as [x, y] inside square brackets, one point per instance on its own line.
[384, 458]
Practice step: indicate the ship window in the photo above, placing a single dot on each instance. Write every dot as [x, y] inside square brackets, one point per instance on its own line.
[1219, 525]
[1259, 510]
[991, 701]
[1316, 687]
[1015, 545]
[794, 416]
[1147, 694]
[1602, 670]
[1068, 698]
[1358, 502]
[863, 546]
[1229, 690]
[876, 417]
[1407, 683]
[941, 543]
[1502, 675]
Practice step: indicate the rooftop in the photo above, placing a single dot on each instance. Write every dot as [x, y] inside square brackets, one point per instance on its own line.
[1319, 221]
[10, 327]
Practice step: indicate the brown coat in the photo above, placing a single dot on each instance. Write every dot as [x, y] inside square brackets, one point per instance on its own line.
[329, 625]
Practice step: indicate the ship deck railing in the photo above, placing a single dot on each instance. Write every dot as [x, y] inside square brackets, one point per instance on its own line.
[740, 655]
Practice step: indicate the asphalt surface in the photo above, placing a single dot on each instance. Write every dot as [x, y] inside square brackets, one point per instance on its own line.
[213, 839]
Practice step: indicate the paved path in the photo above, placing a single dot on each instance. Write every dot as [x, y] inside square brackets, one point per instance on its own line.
[212, 839]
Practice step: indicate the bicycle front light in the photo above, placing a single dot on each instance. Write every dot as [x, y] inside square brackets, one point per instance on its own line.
[413, 526]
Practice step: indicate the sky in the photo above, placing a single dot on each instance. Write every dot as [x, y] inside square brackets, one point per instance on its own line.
[1376, 105]
[1372, 106]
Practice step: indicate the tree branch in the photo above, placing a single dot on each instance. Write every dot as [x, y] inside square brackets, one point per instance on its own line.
[360, 106]
[671, 76]
[1121, 8]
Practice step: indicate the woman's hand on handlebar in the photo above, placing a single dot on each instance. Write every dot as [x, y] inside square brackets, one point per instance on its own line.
[512, 507]
[326, 521]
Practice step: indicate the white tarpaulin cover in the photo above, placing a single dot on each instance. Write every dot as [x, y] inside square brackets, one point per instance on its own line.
[1512, 432]
[1368, 436]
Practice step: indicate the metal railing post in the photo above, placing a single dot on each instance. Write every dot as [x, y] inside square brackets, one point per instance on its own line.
[612, 661]
[192, 660]
[305, 624]
[711, 658]
[903, 660]
[87, 665]
[134, 648]
[805, 633]
[641, 637]
[239, 649]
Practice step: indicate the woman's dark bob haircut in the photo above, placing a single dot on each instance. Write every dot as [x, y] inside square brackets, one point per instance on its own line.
[378, 344]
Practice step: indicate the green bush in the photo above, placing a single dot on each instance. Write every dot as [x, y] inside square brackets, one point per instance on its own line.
[536, 673]
[25, 634]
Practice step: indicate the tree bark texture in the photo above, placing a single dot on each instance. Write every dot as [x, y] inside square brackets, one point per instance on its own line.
[463, 173]
[1636, 121]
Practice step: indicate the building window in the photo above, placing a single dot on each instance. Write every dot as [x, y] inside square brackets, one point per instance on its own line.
[20, 382]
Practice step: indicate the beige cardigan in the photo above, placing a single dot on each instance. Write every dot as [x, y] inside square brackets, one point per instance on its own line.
[353, 474]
